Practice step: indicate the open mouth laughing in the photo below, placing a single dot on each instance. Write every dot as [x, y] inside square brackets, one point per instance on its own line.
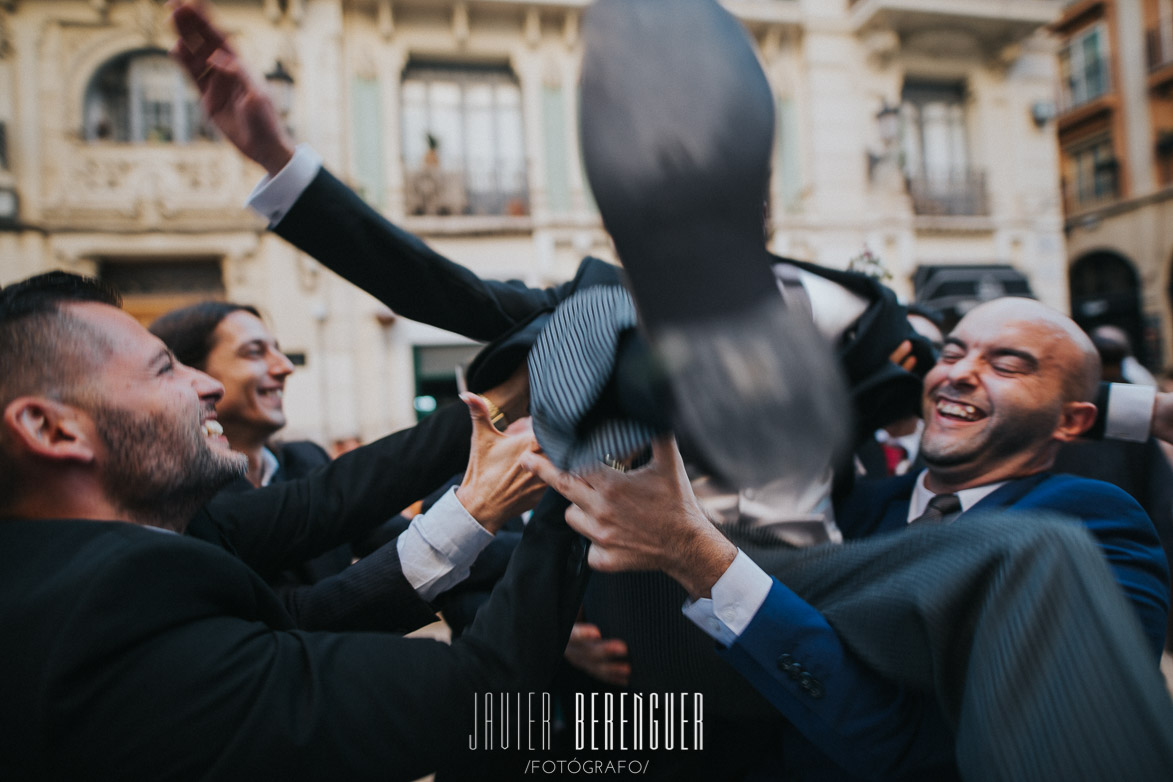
[273, 396]
[213, 431]
[954, 410]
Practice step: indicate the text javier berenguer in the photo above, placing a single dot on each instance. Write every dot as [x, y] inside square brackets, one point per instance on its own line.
[602, 721]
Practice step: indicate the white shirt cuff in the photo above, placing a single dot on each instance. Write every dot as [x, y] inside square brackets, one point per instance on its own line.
[1130, 412]
[438, 547]
[737, 596]
[275, 195]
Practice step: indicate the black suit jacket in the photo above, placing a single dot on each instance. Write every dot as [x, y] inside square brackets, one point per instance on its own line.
[343, 232]
[298, 459]
[131, 653]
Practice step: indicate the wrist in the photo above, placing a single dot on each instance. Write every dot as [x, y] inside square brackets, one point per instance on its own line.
[1162, 427]
[482, 513]
[273, 161]
[702, 561]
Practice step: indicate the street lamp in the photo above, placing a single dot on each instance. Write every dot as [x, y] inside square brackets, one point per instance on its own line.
[888, 118]
[281, 88]
[887, 159]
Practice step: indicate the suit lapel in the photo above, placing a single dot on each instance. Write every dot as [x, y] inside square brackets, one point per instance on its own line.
[882, 506]
[877, 506]
[1010, 494]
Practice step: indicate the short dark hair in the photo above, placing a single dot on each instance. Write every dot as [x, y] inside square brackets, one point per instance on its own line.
[40, 349]
[38, 345]
[189, 331]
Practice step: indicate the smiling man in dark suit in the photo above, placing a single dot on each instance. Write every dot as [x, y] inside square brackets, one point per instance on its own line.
[132, 652]
[1014, 382]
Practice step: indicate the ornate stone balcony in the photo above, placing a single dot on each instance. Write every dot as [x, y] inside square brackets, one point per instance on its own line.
[131, 187]
[996, 23]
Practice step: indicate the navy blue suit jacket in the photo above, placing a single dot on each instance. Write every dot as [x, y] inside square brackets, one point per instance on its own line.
[875, 728]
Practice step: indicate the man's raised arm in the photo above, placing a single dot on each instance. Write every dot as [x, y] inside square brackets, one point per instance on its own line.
[237, 105]
[322, 217]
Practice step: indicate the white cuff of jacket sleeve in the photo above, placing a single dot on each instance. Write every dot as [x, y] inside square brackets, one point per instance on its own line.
[275, 195]
[438, 547]
[1130, 412]
[737, 596]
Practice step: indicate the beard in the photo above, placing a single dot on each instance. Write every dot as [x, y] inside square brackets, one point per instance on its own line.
[161, 471]
[1015, 433]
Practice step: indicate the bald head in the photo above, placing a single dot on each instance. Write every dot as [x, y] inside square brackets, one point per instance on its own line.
[1013, 383]
[1064, 341]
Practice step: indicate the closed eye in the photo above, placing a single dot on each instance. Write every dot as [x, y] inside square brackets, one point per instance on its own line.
[1011, 367]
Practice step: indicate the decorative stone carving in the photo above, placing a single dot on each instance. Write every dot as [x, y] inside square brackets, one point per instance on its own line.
[460, 23]
[6, 45]
[881, 47]
[146, 184]
[533, 27]
[570, 29]
[152, 19]
[385, 19]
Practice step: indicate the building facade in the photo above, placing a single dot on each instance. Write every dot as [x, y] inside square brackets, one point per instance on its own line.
[920, 130]
[1115, 127]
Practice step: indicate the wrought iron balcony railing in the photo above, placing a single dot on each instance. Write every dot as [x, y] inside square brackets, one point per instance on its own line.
[952, 193]
[430, 190]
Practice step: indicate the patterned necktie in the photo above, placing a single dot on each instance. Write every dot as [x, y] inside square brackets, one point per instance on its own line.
[940, 508]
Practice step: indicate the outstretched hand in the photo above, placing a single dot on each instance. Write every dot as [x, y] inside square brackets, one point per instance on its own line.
[496, 487]
[233, 101]
[603, 658]
[646, 519]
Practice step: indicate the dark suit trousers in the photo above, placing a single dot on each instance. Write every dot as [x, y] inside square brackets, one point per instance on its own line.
[1017, 627]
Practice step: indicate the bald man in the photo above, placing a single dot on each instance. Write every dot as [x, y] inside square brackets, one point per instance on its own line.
[1014, 382]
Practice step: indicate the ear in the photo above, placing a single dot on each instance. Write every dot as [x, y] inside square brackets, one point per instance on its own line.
[50, 430]
[1076, 418]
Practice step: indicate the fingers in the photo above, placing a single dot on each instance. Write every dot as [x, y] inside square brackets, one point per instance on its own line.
[618, 674]
[586, 525]
[602, 659]
[665, 452]
[570, 486]
[585, 631]
[902, 356]
[479, 409]
[197, 34]
[601, 560]
[201, 48]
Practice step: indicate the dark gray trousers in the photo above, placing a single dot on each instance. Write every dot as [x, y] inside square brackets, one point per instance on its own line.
[1013, 623]
[1017, 626]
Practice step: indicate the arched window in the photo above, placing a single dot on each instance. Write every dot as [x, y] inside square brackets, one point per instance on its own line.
[143, 96]
[1105, 290]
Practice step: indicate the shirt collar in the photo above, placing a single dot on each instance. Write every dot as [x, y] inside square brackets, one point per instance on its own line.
[269, 466]
[969, 497]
